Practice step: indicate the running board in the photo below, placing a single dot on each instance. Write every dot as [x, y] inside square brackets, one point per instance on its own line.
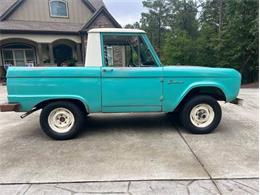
[29, 112]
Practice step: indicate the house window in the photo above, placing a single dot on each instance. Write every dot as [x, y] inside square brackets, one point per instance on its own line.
[18, 55]
[59, 8]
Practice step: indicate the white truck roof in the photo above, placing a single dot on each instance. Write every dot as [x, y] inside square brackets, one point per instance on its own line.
[94, 50]
[117, 30]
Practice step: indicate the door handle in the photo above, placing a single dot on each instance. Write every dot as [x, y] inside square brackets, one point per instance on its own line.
[107, 70]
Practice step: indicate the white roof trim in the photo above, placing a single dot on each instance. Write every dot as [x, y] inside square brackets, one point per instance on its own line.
[118, 30]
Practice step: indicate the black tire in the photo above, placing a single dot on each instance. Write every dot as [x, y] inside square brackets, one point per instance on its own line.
[185, 115]
[73, 129]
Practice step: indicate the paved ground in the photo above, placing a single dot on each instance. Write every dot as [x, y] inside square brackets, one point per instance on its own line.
[197, 187]
[148, 154]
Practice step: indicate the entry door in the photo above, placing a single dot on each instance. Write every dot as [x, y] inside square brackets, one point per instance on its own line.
[62, 53]
[131, 89]
[131, 79]
[19, 57]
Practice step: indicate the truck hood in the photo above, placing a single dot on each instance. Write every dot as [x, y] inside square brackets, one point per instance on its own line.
[198, 71]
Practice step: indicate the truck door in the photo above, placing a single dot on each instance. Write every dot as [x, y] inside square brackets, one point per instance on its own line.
[131, 77]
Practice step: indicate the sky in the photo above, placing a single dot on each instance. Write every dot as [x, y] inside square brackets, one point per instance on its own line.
[125, 11]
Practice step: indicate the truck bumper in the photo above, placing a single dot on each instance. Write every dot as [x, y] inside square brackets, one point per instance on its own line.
[237, 101]
[9, 107]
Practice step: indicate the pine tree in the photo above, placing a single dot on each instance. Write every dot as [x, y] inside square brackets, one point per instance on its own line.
[154, 22]
[218, 33]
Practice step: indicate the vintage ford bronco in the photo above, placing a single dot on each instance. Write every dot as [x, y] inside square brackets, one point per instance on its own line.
[122, 74]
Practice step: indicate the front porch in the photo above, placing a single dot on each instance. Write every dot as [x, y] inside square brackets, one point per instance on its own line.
[39, 50]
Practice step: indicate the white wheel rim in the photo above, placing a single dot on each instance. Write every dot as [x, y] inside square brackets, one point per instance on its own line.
[202, 115]
[61, 120]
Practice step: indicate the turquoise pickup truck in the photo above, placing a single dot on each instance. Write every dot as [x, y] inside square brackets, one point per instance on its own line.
[122, 74]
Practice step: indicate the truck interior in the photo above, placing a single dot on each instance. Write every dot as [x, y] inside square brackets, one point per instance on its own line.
[127, 51]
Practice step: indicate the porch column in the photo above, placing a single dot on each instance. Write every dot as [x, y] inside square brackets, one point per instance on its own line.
[79, 53]
[39, 48]
[83, 46]
[1, 58]
[51, 53]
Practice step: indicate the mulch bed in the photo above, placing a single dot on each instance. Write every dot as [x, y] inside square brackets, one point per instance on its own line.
[251, 85]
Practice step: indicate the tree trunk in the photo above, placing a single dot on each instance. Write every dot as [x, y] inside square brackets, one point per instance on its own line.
[220, 18]
[159, 36]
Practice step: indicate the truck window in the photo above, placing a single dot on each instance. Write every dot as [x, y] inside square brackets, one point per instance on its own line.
[127, 51]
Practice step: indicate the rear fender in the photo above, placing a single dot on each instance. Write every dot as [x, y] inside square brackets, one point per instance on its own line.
[29, 102]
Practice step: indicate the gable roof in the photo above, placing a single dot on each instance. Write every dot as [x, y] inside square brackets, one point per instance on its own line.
[102, 10]
[7, 7]
[97, 3]
[6, 26]
[93, 5]
[89, 5]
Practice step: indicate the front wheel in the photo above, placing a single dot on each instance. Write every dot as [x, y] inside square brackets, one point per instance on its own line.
[201, 114]
[61, 120]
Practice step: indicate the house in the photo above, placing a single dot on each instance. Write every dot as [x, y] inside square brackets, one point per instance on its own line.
[48, 32]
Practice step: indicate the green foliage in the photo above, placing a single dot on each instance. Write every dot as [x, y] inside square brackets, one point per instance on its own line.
[179, 49]
[182, 16]
[133, 26]
[155, 21]
[240, 38]
[207, 47]
[71, 62]
[217, 33]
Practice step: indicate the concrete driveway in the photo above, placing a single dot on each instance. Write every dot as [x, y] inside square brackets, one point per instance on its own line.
[133, 147]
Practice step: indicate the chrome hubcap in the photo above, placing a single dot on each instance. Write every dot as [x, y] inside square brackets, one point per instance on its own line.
[61, 120]
[202, 115]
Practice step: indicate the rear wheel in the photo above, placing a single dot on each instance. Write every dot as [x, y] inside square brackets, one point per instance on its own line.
[61, 120]
[201, 114]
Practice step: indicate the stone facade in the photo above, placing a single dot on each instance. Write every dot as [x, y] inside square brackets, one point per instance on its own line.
[118, 56]
[102, 21]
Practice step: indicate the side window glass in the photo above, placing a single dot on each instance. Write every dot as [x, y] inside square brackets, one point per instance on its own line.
[127, 51]
[145, 54]
[110, 55]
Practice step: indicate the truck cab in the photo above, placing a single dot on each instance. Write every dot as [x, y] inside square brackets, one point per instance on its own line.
[130, 69]
[122, 74]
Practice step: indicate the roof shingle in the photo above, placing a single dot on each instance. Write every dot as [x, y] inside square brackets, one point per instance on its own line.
[96, 3]
[40, 26]
[5, 5]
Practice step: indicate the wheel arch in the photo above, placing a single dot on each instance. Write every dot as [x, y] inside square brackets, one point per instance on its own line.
[76, 101]
[213, 91]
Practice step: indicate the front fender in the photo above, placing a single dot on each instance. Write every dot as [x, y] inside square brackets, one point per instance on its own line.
[175, 93]
[203, 84]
